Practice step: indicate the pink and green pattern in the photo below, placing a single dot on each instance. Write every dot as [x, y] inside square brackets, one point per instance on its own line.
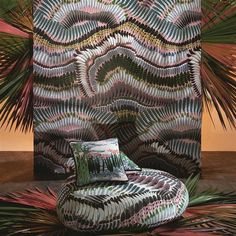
[125, 69]
[149, 199]
[129, 166]
[98, 161]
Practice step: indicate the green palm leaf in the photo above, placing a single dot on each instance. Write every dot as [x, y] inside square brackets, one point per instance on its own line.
[16, 70]
[18, 13]
[21, 220]
[30, 213]
[210, 210]
[218, 58]
[207, 197]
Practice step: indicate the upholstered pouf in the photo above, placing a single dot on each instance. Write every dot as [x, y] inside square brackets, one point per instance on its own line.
[150, 198]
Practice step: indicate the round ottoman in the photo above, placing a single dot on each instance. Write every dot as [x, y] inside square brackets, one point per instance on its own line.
[150, 198]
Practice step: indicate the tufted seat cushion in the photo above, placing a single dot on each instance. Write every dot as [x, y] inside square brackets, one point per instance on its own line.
[150, 198]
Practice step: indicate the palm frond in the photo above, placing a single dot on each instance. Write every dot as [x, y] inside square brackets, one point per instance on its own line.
[219, 218]
[212, 197]
[173, 231]
[218, 58]
[31, 212]
[206, 197]
[7, 5]
[21, 220]
[191, 185]
[209, 211]
[18, 13]
[214, 13]
[34, 198]
[16, 69]
[16, 81]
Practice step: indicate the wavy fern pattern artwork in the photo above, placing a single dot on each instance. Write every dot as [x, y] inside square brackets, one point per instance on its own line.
[125, 69]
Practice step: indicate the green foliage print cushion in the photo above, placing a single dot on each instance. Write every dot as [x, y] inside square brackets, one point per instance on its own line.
[98, 161]
[129, 166]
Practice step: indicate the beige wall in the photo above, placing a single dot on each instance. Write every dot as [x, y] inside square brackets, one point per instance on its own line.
[213, 138]
[15, 141]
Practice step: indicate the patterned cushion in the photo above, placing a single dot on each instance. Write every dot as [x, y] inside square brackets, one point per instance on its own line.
[129, 166]
[98, 161]
[147, 200]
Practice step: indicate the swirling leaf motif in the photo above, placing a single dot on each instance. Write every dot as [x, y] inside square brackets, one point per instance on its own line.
[125, 69]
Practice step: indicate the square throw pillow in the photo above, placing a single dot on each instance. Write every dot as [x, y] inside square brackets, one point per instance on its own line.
[129, 166]
[98, 161]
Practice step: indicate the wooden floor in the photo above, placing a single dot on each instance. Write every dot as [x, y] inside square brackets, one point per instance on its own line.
[16, 171]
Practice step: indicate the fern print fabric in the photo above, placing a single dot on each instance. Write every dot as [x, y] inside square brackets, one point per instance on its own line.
[125, 69]
[149, 199]
[98, 161]
[129, 166]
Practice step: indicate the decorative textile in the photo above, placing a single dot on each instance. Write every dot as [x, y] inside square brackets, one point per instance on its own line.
[149, 199]
[125, 69]
[129, 166]
[98, 161]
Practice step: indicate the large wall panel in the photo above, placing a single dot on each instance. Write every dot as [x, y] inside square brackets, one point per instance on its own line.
[121, 68]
